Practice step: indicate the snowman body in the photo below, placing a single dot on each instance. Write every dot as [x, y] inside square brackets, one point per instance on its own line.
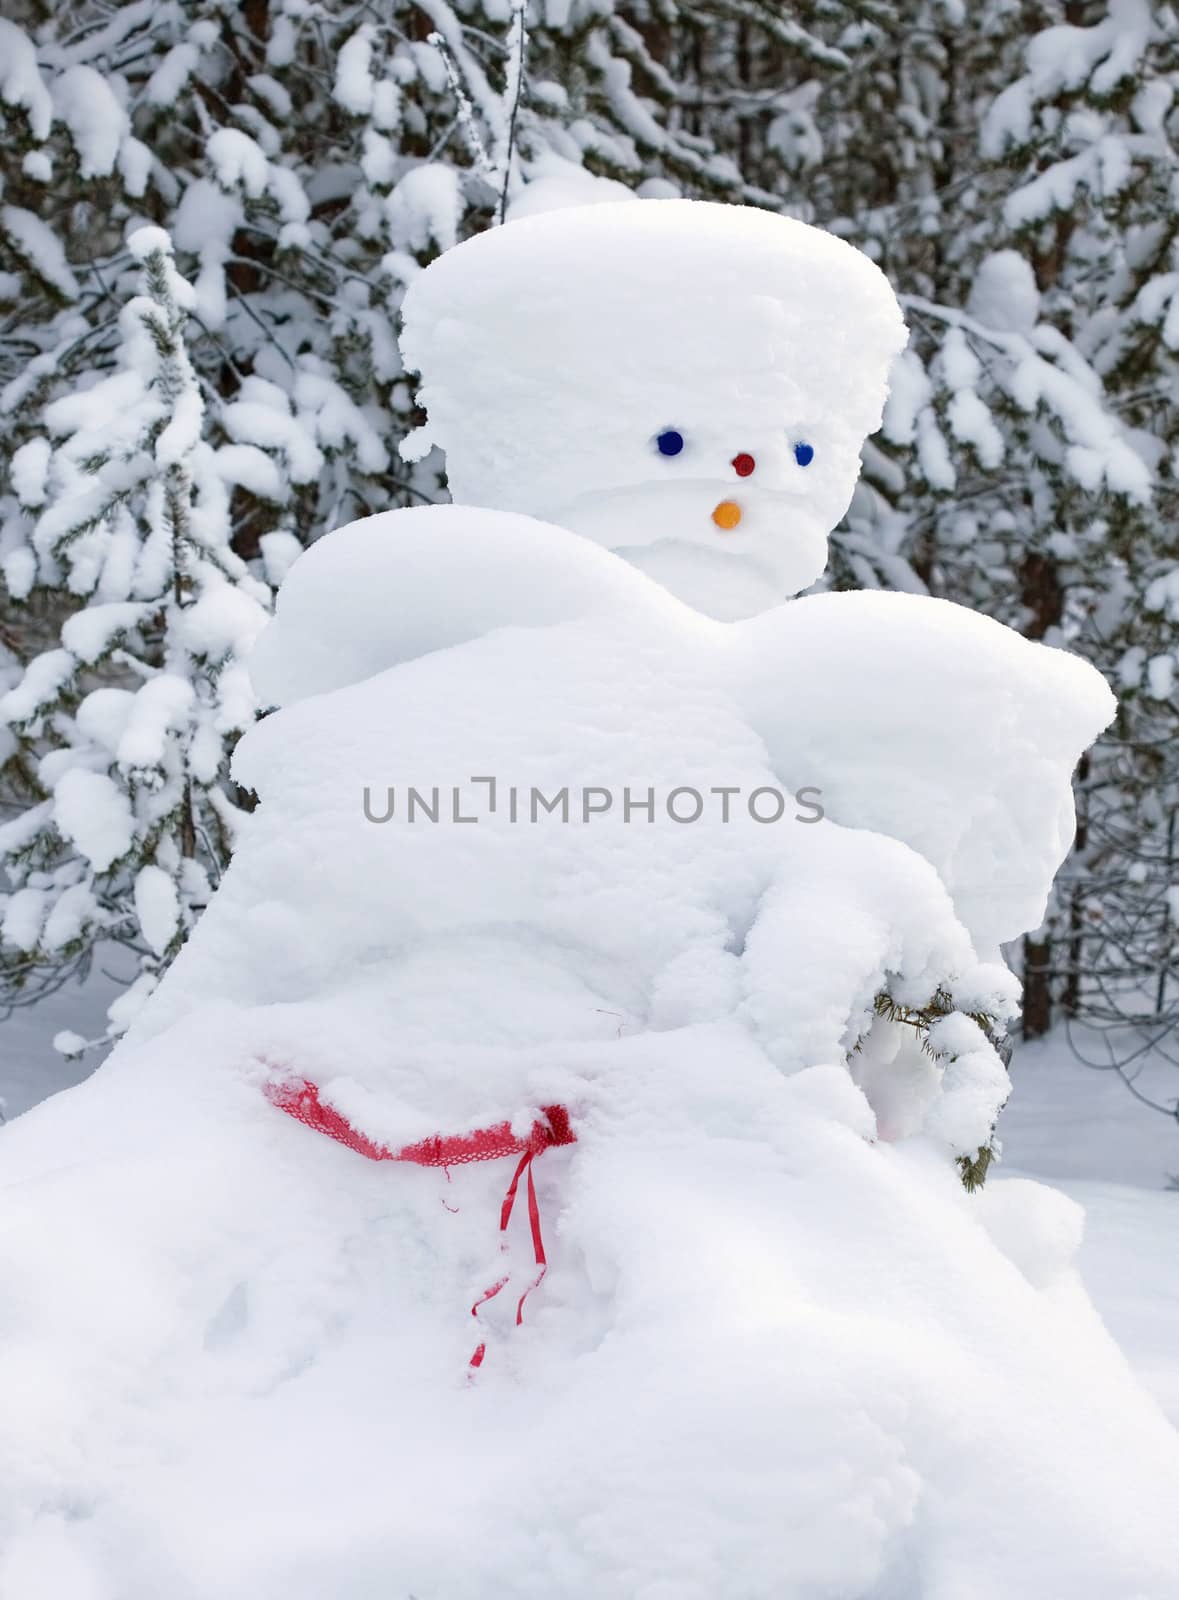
[763, 1335]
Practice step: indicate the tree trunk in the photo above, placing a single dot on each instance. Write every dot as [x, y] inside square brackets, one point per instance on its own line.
[1037, 987]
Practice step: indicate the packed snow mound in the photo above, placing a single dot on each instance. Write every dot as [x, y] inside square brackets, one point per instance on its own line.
[775, 1355]
[911, 717]
[688, 382]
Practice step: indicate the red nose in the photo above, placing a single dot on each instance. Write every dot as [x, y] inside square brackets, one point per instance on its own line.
[743, 464]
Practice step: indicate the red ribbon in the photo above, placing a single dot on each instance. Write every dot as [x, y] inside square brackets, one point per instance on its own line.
[299, 1098]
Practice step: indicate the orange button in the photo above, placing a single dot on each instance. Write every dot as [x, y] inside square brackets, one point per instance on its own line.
[727, 515]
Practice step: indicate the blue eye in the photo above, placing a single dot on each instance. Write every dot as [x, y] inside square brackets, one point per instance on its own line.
[669, 442]
[804, 454]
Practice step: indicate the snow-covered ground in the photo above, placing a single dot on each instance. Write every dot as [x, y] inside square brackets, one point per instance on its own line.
[1070, 1125]
[1082, 1130]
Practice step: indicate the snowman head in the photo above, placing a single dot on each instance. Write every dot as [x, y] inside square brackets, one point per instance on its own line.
[687, 384]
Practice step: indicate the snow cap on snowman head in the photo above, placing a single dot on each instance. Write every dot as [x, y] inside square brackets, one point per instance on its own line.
[688, 384]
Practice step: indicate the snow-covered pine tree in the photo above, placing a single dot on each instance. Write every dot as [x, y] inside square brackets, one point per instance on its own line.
[124, 727]
[1094, 147]
[1083, 141]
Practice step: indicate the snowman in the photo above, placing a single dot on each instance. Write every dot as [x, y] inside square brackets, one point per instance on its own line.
[486, 1201]
[723, 368]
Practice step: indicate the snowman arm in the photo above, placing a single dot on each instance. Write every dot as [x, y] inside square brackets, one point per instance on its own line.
[938, 727]
[861, 919]
[402, 584]
[849, 915]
